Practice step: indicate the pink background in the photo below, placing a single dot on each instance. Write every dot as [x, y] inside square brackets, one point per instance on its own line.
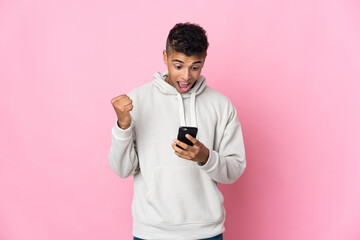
[291, 68]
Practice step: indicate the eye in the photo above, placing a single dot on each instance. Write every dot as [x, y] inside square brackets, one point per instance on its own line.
[178, 67]
[195, 68]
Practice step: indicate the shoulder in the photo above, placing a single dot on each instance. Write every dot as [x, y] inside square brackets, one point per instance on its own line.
[140, 93]
[216, 98]
[139, 96]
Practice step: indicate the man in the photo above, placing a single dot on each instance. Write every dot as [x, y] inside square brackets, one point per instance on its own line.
[175, 189]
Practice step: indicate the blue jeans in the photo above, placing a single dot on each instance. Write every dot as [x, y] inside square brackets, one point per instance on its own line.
[218, 237]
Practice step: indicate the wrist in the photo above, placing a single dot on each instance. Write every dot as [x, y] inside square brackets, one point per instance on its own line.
[206, 157]
[123, 126]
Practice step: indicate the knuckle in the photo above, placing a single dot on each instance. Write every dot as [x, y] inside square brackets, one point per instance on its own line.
[114, 100]
[122, 97]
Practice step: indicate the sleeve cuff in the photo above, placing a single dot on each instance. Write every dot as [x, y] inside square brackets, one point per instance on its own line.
[122, 133]
[208, 163]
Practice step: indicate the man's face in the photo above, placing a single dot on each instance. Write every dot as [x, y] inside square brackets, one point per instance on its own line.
[183, 70]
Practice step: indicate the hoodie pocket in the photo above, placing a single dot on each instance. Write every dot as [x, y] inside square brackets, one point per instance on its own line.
[183, 194]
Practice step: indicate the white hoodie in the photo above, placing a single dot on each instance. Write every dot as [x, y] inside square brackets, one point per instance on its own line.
[175, 198]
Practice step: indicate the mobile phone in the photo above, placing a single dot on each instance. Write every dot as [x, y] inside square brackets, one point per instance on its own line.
[186, 130]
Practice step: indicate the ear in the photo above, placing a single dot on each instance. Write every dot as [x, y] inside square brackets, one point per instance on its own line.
[165, 57]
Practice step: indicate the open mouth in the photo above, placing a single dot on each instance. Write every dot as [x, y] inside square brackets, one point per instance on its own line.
[184, 86]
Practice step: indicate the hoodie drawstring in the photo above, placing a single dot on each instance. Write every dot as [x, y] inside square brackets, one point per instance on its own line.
[182, 110]
[192, 109]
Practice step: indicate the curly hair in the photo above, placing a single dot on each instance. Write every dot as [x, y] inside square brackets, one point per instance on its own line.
[187, 38]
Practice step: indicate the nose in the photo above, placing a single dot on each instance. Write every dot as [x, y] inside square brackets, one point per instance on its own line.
[186, 75]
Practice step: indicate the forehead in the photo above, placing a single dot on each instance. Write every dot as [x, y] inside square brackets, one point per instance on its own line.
[184, 58]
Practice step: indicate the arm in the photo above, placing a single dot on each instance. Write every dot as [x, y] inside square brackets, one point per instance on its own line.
[123, 155]
[228, 164]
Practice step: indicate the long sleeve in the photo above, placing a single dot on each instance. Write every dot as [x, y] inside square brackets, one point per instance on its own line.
[123, 154]
[228, 163]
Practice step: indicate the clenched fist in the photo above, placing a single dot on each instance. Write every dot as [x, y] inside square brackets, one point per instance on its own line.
[123, 105]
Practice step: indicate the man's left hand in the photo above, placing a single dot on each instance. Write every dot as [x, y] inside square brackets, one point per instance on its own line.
[198, 152]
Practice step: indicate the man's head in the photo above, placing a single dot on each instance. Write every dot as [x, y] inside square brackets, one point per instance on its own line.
[186, 50]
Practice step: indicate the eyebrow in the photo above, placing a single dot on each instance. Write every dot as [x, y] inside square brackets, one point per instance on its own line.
[176, 60]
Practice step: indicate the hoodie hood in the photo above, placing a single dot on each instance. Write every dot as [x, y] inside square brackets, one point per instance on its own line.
[167, 89]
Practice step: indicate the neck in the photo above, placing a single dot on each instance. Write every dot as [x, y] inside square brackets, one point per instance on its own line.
[166, 79]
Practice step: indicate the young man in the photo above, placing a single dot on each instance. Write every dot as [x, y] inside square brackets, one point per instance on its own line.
[176, 195]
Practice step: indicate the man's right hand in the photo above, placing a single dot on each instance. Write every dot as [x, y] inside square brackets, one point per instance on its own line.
[123, 105]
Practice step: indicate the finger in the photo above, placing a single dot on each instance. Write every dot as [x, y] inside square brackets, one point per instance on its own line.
[127, 102]
[124, 103]
[192, 139]
[177, 149]
[128, 108]
[122, 106]
[181, 153]
[122, 99]
[183, 156]
[117, 98]
[181, 144]
[114, 99]
[131, 107]
[125, 109]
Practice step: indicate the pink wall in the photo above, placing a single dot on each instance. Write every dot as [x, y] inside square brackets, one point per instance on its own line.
[291, 68]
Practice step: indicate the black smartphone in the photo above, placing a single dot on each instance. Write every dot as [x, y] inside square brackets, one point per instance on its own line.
[186, 130]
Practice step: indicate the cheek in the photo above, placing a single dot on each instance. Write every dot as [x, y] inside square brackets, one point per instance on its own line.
[174, 75]
[195, 75]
